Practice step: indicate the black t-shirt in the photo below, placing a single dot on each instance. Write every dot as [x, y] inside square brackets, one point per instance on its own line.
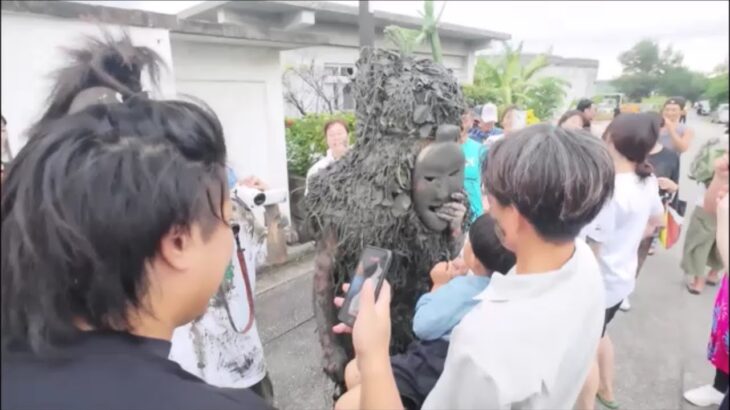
[666, 164]
[112, 371]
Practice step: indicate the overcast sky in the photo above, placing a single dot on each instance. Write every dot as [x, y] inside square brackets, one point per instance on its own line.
[599, 30]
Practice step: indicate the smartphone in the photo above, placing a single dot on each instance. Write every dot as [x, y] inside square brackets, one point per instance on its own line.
[374, 263]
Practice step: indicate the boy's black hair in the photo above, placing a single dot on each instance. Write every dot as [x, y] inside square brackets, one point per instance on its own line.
[557, 179]
[584, 104]
[487, 247]
[85, 206]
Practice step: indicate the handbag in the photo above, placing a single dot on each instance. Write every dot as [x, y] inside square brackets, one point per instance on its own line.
[673, 219]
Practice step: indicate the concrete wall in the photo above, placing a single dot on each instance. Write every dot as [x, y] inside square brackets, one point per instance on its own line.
[242, 84]
[31, 52]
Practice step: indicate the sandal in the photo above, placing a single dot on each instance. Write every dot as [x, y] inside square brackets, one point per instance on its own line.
[613, 405]
[692, 290]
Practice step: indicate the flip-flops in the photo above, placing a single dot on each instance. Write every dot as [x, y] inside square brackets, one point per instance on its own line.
[612, 404]
[692, 290]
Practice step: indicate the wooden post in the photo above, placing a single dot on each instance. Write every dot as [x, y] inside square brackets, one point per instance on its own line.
[366, 25]
[275, 238]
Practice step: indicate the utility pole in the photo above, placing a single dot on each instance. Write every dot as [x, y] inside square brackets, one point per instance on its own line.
[366, 25]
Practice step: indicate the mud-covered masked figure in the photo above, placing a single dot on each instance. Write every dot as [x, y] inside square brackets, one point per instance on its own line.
[399, 188]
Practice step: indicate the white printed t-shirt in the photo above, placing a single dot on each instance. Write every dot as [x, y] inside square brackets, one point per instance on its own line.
[529, 342]
[619, 228]
[210, 347]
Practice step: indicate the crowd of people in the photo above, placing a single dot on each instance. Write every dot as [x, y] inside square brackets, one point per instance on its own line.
[117, 262]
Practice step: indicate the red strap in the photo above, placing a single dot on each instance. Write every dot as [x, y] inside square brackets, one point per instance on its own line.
[249, 292]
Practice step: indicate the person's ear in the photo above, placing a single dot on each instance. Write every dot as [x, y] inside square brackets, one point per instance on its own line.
[174, 247]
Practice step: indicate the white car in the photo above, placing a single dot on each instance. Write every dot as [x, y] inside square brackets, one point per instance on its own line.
[721, 114]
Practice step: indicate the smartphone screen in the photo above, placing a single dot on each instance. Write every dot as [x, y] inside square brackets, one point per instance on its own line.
[374, 263]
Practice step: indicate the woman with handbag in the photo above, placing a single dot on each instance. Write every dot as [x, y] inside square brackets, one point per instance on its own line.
[665, 164]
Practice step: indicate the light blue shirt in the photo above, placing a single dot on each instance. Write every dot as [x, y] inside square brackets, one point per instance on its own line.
[473, 154]
[232, 179]
[438, 312]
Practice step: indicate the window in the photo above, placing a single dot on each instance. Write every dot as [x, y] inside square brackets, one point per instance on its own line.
[339, 77]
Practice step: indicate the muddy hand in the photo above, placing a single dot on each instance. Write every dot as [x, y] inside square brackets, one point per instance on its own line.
[453, 213]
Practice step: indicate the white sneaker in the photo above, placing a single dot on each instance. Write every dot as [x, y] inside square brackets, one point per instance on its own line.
[704, 396]
[625, 305]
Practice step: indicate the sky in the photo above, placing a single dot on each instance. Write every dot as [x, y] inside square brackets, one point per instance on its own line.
[598, 30]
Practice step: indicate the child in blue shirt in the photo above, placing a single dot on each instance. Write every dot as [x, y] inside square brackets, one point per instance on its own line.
[451, 298]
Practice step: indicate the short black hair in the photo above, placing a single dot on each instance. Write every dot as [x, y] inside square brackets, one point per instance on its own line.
[557, 179]
[584, 104]
[84, 208]
[573, 113]
[487, 247]
[634, 135]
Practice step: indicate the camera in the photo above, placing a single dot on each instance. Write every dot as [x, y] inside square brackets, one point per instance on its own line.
[253, 198]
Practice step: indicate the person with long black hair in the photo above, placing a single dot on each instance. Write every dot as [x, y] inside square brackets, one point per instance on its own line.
[632, 214]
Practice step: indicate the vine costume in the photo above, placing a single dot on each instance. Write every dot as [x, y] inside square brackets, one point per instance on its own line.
[386, 190]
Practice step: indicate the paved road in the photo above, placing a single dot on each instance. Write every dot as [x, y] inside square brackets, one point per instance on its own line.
[660, 343]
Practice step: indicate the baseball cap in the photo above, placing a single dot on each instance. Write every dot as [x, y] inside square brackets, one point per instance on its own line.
[486, 112]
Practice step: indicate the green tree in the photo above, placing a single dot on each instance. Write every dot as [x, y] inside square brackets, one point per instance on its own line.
[546, 96]
[506, 81]
[644, 65]
[408, 40]
[680, 81]
[717, 90]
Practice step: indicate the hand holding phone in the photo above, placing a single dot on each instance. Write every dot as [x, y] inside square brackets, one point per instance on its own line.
[374, 264]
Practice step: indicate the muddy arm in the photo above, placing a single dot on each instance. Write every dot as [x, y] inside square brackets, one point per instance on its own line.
[325, 312]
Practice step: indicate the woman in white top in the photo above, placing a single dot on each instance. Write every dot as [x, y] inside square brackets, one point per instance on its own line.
[337, 145]
[632, 214]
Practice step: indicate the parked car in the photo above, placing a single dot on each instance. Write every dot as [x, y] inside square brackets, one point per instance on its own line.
[720, 115]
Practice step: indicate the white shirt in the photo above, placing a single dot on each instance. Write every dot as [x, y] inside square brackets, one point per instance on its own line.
[318, 166]
[619, 228]
[210, 347]
[529, 343]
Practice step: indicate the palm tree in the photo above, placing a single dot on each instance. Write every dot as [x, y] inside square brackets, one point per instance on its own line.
[407, 40]
[508, 76]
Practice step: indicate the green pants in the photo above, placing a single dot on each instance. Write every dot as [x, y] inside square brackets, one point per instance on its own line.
[700, 249]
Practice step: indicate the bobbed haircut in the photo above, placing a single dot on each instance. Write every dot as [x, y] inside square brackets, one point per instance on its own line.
[487, 247]
[85, 206]
[557, 179]
[584, 104]
[634, 135]
[574, 113]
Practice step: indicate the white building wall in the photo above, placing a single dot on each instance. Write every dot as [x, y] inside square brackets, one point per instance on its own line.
[31, 51]
[581, 79]
[242, 84]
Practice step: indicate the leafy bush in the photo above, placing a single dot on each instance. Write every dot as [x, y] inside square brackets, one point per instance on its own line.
[305, 140]
[717, 90]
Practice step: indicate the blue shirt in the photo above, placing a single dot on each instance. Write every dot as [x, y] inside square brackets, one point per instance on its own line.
[438, 312]
[232, 179]
[473, 152]
[479, 136]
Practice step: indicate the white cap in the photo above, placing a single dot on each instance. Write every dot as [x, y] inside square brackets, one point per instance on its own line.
[489, 113]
